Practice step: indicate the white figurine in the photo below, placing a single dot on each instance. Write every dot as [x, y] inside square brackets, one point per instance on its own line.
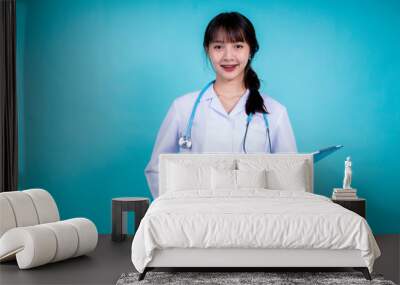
[347, 173]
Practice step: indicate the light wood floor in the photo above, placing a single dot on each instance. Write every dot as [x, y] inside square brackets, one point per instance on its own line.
[111, 259]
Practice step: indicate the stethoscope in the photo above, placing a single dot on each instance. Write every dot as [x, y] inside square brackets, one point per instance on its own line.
[185, 141]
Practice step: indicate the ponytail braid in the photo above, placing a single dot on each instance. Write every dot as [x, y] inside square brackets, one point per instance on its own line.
[254, 103]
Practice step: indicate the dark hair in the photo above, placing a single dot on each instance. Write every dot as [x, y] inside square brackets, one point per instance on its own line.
[238, 28]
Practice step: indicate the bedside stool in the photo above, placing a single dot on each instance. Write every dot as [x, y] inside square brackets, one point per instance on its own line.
[120, 207]
[356, 205]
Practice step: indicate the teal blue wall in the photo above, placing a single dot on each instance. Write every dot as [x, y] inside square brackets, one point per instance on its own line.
[96, 77]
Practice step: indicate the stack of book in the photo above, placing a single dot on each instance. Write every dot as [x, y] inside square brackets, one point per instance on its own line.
[344, 194]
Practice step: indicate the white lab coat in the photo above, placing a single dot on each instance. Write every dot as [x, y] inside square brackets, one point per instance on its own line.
[214, 130]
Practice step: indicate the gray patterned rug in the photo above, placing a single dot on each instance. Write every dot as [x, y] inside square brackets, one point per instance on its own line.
[269, 278]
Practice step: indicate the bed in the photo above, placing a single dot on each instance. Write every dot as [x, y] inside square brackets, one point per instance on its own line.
[245, 211]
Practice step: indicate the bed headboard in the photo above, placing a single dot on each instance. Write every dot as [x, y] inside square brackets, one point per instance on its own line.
[279, 161]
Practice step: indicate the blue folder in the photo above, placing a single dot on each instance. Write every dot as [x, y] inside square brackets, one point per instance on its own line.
[322, 153]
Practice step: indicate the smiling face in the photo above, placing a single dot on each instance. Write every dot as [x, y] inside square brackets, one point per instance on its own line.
[229, 58]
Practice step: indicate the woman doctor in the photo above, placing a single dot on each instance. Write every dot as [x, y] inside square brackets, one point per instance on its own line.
[229, 114]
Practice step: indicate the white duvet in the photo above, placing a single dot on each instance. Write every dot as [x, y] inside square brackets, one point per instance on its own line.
[252, 218]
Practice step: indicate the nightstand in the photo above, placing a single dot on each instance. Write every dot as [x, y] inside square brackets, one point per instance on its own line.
[120, 207]
[358, 205]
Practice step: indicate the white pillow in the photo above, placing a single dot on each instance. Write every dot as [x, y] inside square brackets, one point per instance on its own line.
[251, 178]
[282, 174]
[186, 174]
[236, 179]
[181, 177]
[288, 179]
[223, 179]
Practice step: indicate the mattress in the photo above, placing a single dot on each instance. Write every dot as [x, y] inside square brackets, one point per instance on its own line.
[250, 219]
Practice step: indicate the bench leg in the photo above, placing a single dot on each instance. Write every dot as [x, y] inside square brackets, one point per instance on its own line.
[364, 271]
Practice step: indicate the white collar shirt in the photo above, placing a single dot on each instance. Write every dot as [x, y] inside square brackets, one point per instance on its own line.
[214, 130]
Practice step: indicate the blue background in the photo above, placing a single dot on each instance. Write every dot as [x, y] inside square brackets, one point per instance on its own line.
[96, 78]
